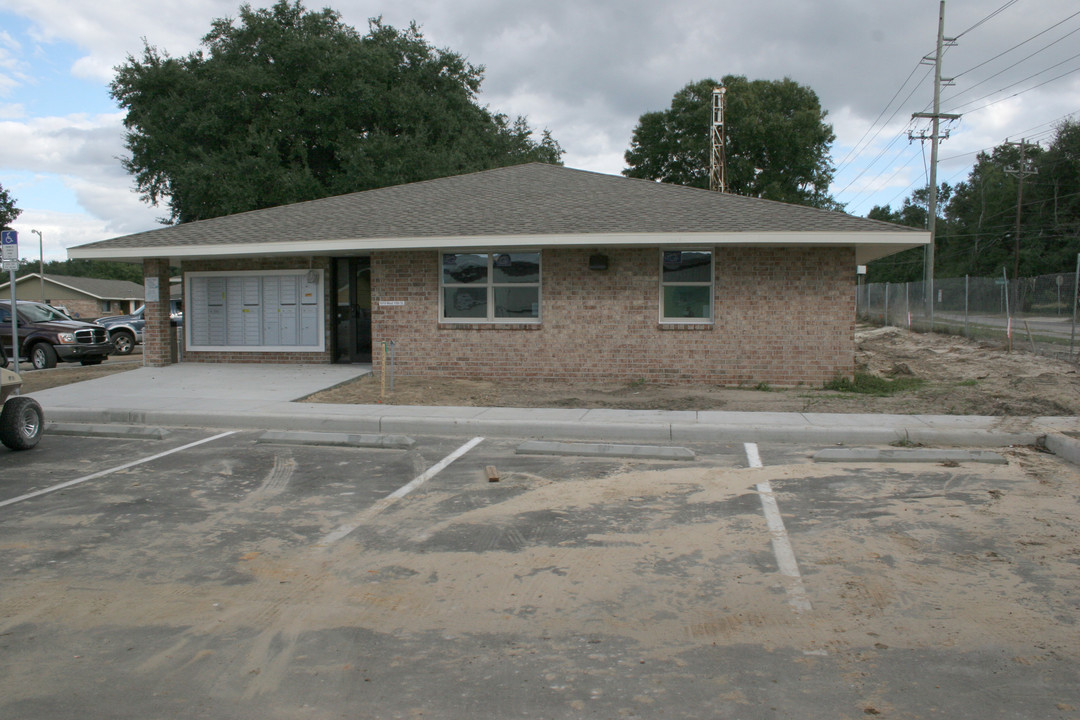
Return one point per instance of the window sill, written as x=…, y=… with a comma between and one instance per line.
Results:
x=490, y=326
x=698, y=327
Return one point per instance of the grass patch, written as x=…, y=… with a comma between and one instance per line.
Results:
x=967, y=383
x=868, y=384
x=763, y=387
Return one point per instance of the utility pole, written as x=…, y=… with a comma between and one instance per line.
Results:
x=1021, y=171
x=935, y=136
x=41, y=262
x=717, y=159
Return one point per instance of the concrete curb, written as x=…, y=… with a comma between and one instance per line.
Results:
x=1065, y=447
x=653, y=432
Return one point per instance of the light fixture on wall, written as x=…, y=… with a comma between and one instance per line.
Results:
x=598, y=262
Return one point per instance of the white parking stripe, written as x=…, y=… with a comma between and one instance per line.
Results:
x=401, y=492
x=785, y=556
x=118, y=468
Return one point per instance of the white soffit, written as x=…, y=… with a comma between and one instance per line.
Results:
x=869, y=245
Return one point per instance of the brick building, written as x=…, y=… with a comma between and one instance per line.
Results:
x=81, y=297
x=527, y=271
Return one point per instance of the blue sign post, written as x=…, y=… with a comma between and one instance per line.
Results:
x=9, y=243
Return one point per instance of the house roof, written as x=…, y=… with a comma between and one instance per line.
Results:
x=97, y=288
x=523, y=205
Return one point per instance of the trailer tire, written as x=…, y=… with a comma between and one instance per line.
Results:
x=21, y=423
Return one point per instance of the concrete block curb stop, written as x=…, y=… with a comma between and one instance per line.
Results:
x=390, y=442
x=908, y=455
x=541, y=447
x=107, y=430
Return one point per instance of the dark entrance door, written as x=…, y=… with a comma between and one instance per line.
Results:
x=352, y=295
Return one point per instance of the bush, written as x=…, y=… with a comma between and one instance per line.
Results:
x=868, y=384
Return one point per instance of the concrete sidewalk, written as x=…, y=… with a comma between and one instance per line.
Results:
x=264, y=397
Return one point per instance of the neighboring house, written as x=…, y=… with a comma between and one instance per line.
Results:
x=532, y=271
x=81, y=297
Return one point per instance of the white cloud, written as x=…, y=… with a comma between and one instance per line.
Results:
x=12, y=69
x=59, y=231
x=585, y=69
x=12, y=111
x=110, y=31
x=117, y=205
x=65, y=144
x=82, y=151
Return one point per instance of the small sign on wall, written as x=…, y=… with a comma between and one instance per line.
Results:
x=153, y=289
x=391, y=303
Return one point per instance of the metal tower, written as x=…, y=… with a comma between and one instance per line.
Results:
x=717, y=160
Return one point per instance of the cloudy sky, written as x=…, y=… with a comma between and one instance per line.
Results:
x=585, y=69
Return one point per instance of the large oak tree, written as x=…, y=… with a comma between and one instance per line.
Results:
x=286, y=105
x=777, y=141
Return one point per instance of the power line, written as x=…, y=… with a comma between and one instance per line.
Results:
x=986, y=106
x=1020, y=44
x=1018, y=62
x=858, y=197
x=842, y=164
x=857, y=200
x=871, y=164
x=989, y=17
x=1021, y=92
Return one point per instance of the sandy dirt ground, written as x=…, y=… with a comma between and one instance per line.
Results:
x=960, y=377
x=569, y=589
x=65, y=374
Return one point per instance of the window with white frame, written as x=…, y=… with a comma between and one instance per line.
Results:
x=686, y=286
x=490, y=286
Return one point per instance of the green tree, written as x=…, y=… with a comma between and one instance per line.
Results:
x=286, y=105
x=981, y=216
x=102, y=269
x=8, y=211
x=776, y=146
x=976, y=235
x=1052, y=209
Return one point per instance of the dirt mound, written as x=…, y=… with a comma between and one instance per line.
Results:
x=958, y=377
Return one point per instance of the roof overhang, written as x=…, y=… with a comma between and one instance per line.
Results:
x=868, y=245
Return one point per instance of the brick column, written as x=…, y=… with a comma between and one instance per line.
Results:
x=157, y=345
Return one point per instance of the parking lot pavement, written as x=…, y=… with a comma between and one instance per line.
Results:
x=210, y=575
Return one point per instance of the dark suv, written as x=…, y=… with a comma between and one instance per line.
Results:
x=47, y=336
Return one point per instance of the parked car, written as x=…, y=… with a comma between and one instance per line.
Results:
x=47, y=336
x=126, y=331
x=21, y=420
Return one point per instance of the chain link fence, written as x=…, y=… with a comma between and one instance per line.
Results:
x=1038, y=314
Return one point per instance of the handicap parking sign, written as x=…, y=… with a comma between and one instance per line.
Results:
x=9, y=239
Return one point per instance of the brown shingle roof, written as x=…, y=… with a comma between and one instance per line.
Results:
x=521, y=200
x=101, y=288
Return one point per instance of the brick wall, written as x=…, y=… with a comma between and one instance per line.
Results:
x=783, y=316
x=157, y=345
x=83, y=309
